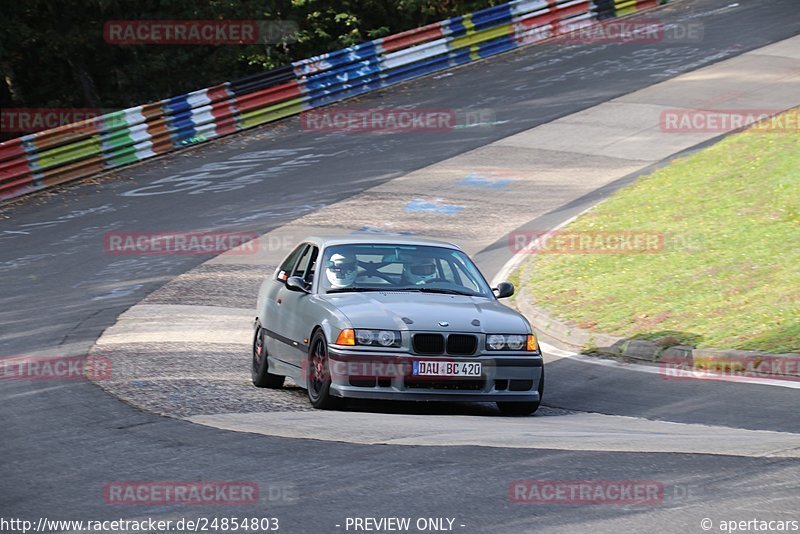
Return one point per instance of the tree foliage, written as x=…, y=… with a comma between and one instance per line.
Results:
x=53, y=53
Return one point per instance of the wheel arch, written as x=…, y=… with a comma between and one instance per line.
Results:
x=330, y=328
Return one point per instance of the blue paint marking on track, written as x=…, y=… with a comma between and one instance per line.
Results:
x=479, y=180
x=433, y=206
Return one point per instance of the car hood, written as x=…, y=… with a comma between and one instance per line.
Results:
x=424, y=311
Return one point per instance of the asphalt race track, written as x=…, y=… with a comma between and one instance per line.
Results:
x=62, y=442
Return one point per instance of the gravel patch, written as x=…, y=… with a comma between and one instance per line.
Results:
x=184, y=379
x=231, y=286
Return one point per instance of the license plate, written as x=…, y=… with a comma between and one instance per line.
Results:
x=423, y=368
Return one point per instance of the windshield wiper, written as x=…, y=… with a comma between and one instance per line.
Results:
x=436, y=290
x=354, y=289
x=395, y=289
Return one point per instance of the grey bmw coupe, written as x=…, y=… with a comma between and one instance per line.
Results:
x=396, y=319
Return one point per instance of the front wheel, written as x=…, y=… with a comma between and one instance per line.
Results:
x=319, y=376
x=259, y=372
x=523, y=408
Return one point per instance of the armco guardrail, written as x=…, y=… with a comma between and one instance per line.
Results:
x=51, y=157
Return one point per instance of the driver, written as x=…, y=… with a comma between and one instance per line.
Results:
x=418, y=271
x=341, y=270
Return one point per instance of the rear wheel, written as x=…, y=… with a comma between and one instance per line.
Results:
x=319, y=376
x=523, y=408
x=260, y=369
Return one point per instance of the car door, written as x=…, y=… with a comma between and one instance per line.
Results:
x=293, y=309
x=271, y=321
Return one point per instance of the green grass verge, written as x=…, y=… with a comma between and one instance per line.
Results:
x=728, y=275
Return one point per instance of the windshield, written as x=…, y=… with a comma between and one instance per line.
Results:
x=413, y=268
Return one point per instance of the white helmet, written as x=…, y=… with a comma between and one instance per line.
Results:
x=419, y=270
x=341, y=270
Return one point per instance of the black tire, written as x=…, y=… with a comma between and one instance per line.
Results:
x=318, y=384
x=523, y=408
x=259, y=372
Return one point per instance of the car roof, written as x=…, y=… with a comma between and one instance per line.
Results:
x=380, y=239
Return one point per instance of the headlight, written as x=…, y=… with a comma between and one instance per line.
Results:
x=495, y=342
x=515, y=342
x=364, y=337
x=511, y=342
x=388, y=338
x=378, y=338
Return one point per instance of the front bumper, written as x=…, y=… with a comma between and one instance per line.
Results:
x=504, y=377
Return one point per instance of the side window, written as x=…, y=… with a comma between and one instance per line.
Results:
x=288, y=263
x=312, y=269
x=312, y=265
x=305, y=261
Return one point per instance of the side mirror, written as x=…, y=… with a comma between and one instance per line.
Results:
x=296, y=283
x=504, y=289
